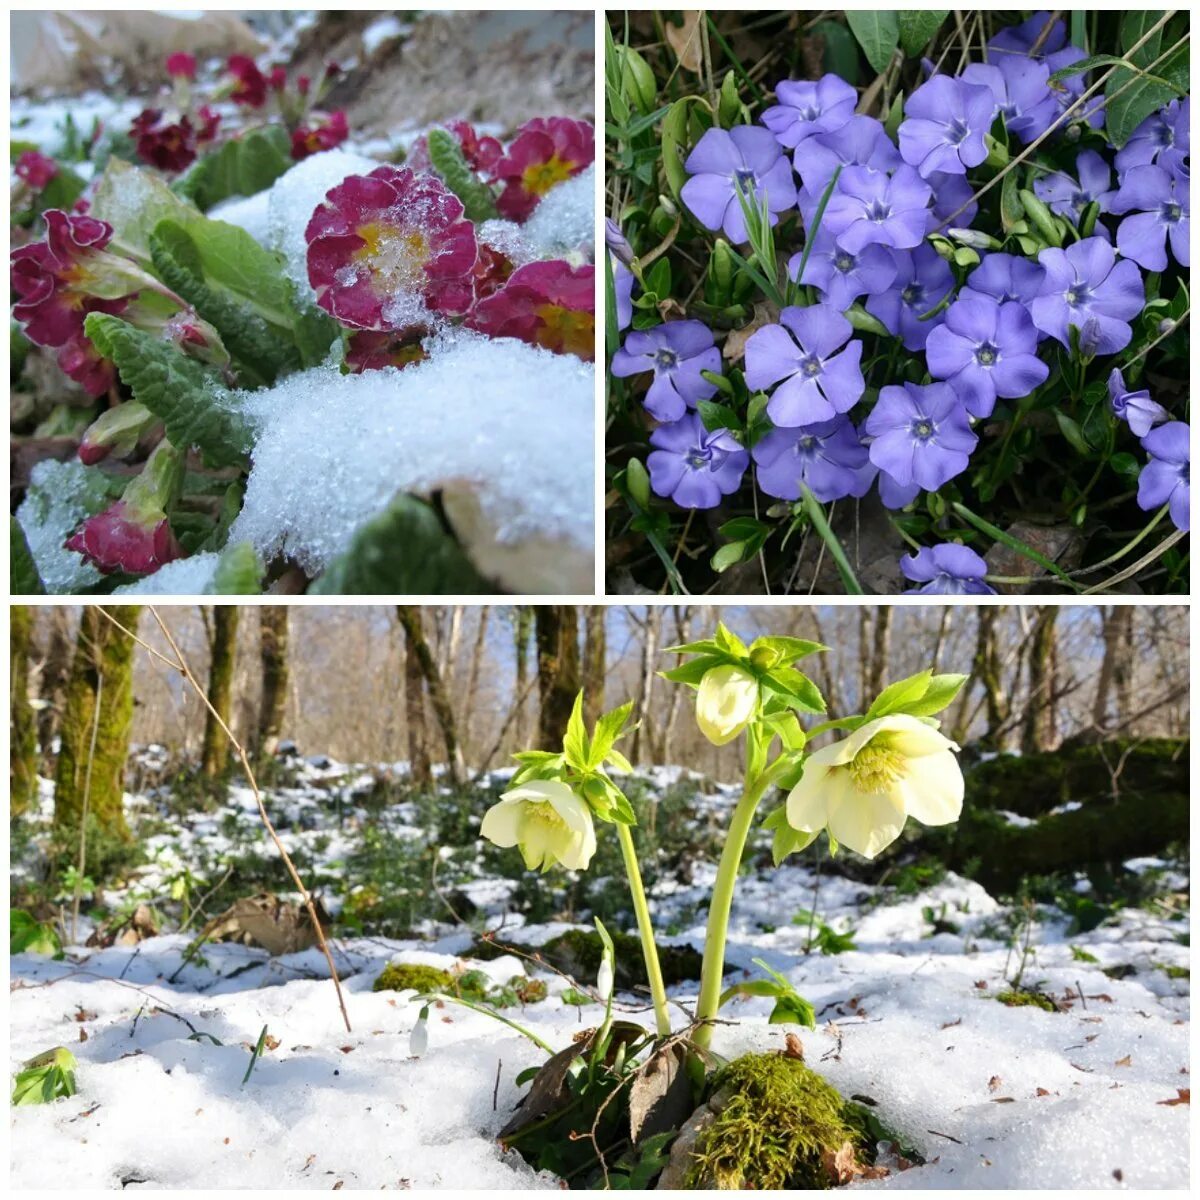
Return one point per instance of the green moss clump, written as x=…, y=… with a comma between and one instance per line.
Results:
x=1021, y=999
x=413, y=977
x=1178, y=972
x=776, y=1121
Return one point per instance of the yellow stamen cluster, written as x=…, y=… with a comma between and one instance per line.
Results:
x=539, y=178
x=876, y=768
x=395, y=257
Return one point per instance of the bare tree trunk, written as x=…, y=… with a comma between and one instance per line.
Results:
x=214, y=755
x=557, y=628
x=940, y=641
x=987, y=671
x=56, y=668
x=683, y=635
x=1124, y=661
x=410, y=618
x=642, y=746
x=594, y=662
x=414, y=709
x=273, y=651
x=23, y=747
x=522, y=628
x=1037, y=728
x=864, y=657
x=823, y=668
x=880, y=652
x=468, y=707
x=450, y=644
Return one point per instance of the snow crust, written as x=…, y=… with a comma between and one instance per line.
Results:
x=192, y=576
x=60, y=496
x=565, y=220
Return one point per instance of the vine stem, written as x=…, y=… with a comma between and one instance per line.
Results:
x=658, y=991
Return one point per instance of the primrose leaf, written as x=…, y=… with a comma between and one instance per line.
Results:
x=239, y=571
x=245, y=166
x=447, y=157
x=23, y=578
x=133, y=202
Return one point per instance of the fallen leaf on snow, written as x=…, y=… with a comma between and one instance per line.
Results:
x=1184, y=1097
x=1127, y=1061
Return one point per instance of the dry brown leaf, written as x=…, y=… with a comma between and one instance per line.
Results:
x=951, y=1024
x=271, y=1042
x=735, y=343
x=660, y=1097
x=1041, y=1092
x=685, y=41
x=994, y=1083
x=1127, y=1061
x=793, y=1047
x=981, y=984
x=1184, y=1097
x=1004, y=1100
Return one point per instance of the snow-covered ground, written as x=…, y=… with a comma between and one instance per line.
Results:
x=992, y=1096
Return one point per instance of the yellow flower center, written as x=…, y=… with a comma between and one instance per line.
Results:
x=876, y=768
x=546, y=814
x=395, y=257
x=539, y=178
x=567, y=330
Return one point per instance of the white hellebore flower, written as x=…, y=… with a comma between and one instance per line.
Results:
x=863, y=788
x=547, y=821
x=727, y=699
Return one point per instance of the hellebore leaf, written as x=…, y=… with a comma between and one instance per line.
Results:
x=897, y=697
x=405, y=550
x=181, y=392
x=794, y=689
x=609, y=728
x=244, y=166
x=447, y=157
x=576, y=749
x=29, y=936
x=785, y=840
x=878, y=33
x=23, y=578
x=940, y=694
x=45, y=1077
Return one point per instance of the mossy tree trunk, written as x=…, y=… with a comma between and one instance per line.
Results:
x=641, y=744
x=97, y=715
x=23, y=746
x=273, y=654
x=410, y=619
x=522, y=628
x=214, y=757
x=56, y=669
x=595, y=652
x=414, y=717
x=557, y=627
x=988, y=672
x=476, y=670
x=880, y=653
x=1116, y=667
x=1038, y=727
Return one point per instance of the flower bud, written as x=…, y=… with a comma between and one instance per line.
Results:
x=726, y=703
x=115, y=432
x=976, y=239
x=418, y=1039
x=616, y=242
x=638, y=482
x=604, y=979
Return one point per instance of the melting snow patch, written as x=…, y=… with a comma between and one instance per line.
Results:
x=60, y=496
x=566, y=218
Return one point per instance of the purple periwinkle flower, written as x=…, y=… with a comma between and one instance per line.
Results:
x=1161, y=209
x=827, y=458
x=923, y=278
x=693, y=466
x=1071, y=87
x=1163, y=137
x=943, y=127
x=1021, y=39
x=724, y=160
x=860, y=142
x=946, y=570
x=617, y=243
x=921, y=434
x=806, y=108
x=952, y=197
x=1135, y=408
x=1020, y=88
x=1005, y=277
x=623, y=282
x=1086, y=280
x=800, y=355
x=676, y=352
x=984, y=350
x=841, y=277
x=1069, y=197
x=1165, y=478
x=873, y=207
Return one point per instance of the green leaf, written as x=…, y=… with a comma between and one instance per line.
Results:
x=245, y=166
x=1130, y=98
x=896, y=696
x=133, y=202
x=674, y=137
x=23, y=578
x=717, y=416
x=1071, y=431
x=181, y=392
x=796, y=690
x=45, y=1078
x=728, y=642
x=939, y=695
x=918, y=28
x=785, y=840
x=878, y=33
x=447, y=158
x=841, y=53
x=29, y=936
x=790, y=1007
x=405, y=550
x=610, y=728
x=239, y=571
x=694, y=670
x=789, y=649
x=575, y=741
x=728, y=555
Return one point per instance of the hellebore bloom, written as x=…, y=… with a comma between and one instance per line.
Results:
x=1085, y=280
x=1165, y=479
x=943, y=127
x=921, y=434
x=370, y=349
x=382, y=247
x=250, y=86
x=133, y=535
x=1135, y=408
x=694, y=467
x=806, y=108
x=36, y=169
x=1069, y=198
x=1005, y=277
x=115, y=431
x=1020, y=88
x=841, y=277
x=726, y=701
x=946, y=570
x=549, y=304
x=546, y=821
x=724, y=160
x=800, y=354
x=1164, y=137
x=869, y=206
x=1021, y=39
x=676, y=352
x=547, y=151
x=168, y=145
x=324, y=132
x=984, y=350
x=828, y=458
x=860, y=142
x=1161, y=208
x=481, y=153
x=923, y=277
x=181, y=66
x=863, y=788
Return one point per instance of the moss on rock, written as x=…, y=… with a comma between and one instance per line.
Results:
x=414, y=977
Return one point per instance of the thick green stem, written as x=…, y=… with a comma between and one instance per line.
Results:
x=658, y=991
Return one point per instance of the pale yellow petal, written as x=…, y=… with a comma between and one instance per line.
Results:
x=725, y=701
x=501, y=823
x=932, y=790
x=865, y=822
x=808, y=801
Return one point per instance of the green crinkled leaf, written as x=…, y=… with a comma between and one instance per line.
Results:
x=314, y=332
x=182, y=393
x=1129, y=97
x=404, y=551
x=23, y=577
x=918, y=26
x=239, y=571
x=447, y=158
x=260, y=351
x=243, y=167
x=878, y=33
